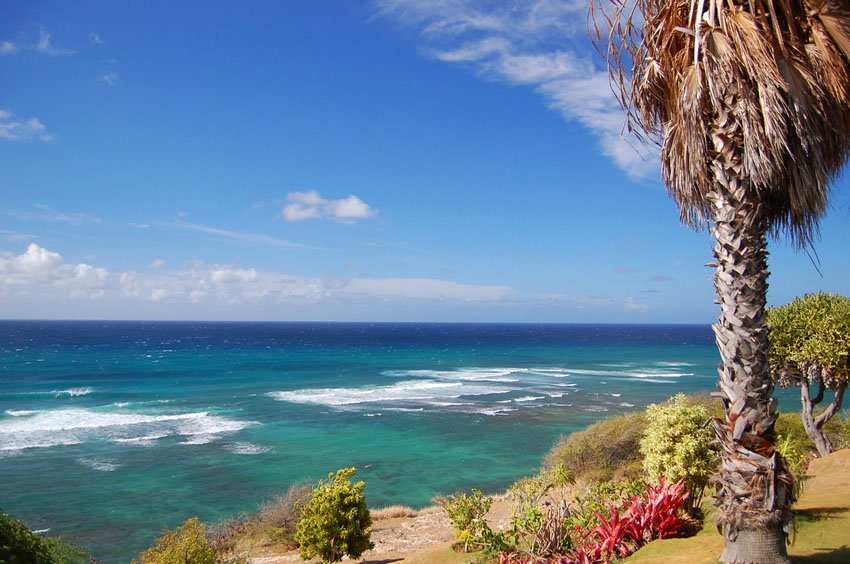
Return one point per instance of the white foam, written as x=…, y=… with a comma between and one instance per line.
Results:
x=571, y=385
x=640, y=374
x=408, y=391
x=529, y=398
x=626, y=404
x=616, y=395
x=99, y=464
x=495, y=412
x=247, y=448
x=557, y=394
x=674, y=364
x=595, y=408
x=48, y=428
x=146, y=440
x=20, y=412
x=464, y=374
x=73, y=392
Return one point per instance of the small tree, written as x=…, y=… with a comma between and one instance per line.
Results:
x=335, y=520
x=810, y=344
x=678, y=445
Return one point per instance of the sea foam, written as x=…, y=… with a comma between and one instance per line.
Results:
x=47, y=428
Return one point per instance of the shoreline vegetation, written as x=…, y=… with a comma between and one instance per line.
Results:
x=588, y=482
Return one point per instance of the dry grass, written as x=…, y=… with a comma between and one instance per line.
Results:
x=392, y=512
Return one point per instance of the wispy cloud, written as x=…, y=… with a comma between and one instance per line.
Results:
x=46, y=213
x=245, y=236
x=16, y=129
x=8, y=48
x=15, y=236
x=539, y=44
x=111, y=78
x=311, y=205
x=45, y=46
x=95, y=39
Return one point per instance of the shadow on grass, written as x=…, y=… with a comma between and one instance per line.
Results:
x=825, y=555
x=819, y=513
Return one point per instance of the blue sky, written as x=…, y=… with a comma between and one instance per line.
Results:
x=339, y=160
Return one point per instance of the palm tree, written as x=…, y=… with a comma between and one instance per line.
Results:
x=750, y=103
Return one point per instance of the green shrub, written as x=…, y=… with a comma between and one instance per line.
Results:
x=184, y=545
x=539, y=524
x=791, y=451
x=678, y=444
x=466, y=513
x=20, y=545
x=335, y=520
x=607, y=450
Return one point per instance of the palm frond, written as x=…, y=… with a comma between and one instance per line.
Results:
x=779, y=68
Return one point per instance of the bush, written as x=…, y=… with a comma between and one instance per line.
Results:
x=677, y=444
x=335, y=520
x=20, y=545
x=466, y=513
x=187, y=544
x=539, y=524
x=279, y=516
x=607, y=450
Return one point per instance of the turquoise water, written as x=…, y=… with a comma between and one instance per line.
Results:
x=111, y=431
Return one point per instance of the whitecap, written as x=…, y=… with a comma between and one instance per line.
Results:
x=495, y=412
x=529, y=398
x=626, y=404
x=247, y=448
x=616, y=395
x=73, y=392
x=408, y=391
x=20, y=412
x=74, y=426
x=99, y=464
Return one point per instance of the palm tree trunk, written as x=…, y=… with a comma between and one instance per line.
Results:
x=753, y=494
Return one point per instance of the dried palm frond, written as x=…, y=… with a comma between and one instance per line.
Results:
x=779, y=68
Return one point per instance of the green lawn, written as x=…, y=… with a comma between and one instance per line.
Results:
x=822, y=523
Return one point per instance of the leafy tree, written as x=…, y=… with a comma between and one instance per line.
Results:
x=810, y=345
x=335, y=520
x=677, y=445
x=748, y=102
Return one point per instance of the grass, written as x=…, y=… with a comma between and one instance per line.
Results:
x=822, y=523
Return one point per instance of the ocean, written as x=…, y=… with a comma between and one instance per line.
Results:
x=110, y=431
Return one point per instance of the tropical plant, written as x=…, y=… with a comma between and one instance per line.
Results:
x=335, y=520
x=187, y=544
x=677, y=444
x=748, y=101
x=810, y=345
x=466, y=513
x=790, y=450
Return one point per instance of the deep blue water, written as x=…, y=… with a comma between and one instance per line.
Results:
x=110, y=431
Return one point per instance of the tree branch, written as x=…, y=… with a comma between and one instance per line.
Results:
x=834, y=406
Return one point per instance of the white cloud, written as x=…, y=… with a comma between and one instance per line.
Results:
x=13, y=129
x=43, y=274
x=95, y=39
x=245, y=236
x=110, y=78
x=45, y=46
x=529, y=44
x=311, y=205
x=8, y=48
x=157, y=263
